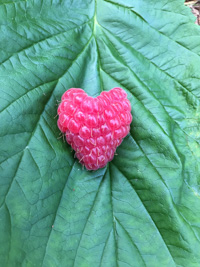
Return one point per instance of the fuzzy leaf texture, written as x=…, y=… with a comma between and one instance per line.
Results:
x=143, y=209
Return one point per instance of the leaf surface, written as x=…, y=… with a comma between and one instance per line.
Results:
x=143, y=209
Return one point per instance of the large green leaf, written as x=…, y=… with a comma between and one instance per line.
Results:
x=143, y=209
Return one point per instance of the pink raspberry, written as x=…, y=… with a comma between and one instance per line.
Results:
x=94, y=127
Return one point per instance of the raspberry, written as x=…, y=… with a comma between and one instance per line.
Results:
x=94, y=127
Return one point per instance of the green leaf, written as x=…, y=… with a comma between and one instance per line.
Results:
x=143, y=209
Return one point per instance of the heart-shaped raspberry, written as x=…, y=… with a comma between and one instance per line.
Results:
x=94, y=127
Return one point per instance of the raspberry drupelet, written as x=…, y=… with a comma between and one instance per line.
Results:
x=94, y=127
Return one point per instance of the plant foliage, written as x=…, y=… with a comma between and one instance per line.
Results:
x=143, y=209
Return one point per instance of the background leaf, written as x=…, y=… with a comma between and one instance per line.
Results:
x=143, y=209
